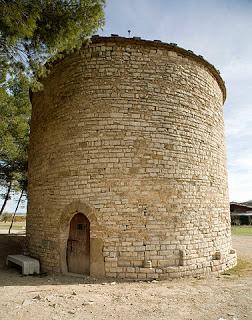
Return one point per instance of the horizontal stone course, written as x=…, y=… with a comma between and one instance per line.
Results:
x=131, y=134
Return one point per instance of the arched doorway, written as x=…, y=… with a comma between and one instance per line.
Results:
x=78, y=245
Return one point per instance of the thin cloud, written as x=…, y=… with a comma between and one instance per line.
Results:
x=220, y=31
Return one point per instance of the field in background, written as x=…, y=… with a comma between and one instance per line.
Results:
x=16, y=228
x=242, y=230
x=8, y=217
x=20, y=225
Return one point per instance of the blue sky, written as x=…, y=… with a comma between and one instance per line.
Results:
x=221, y=32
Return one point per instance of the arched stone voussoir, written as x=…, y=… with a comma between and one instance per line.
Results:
x=74, y=207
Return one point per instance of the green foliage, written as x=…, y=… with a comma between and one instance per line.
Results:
x=34, y=31
x=15, y=110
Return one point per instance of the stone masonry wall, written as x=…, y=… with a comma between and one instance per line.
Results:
x=131, y=134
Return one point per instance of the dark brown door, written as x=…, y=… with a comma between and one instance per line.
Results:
x=78, y=245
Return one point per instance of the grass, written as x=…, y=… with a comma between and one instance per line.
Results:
x=242, y=268
x=242, y=230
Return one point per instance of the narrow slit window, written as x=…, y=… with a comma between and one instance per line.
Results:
x=80, y=226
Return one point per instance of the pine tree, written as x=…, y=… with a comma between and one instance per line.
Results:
x=32, y=32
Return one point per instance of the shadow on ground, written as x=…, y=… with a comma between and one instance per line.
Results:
x=16, y=243
x=11, y=244
x=11, y=276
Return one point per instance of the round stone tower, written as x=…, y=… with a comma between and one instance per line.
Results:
x=127, y=168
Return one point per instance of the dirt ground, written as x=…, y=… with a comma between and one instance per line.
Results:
x=221, y=297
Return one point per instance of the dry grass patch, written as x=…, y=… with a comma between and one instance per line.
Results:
x=243, y=267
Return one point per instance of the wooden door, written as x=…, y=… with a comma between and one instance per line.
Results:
x=78, y=245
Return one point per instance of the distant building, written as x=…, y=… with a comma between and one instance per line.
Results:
x=241, y=213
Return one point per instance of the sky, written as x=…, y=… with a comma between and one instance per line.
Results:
x=219, y=30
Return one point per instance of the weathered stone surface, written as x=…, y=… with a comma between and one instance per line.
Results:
x=131, y=134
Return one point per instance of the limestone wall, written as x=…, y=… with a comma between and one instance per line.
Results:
x=131, y=134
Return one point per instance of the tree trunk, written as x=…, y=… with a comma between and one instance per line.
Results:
x=14, y=214
x=6, y=197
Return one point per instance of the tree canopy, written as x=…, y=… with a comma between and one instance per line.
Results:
x=33, y=32
x=15, y=110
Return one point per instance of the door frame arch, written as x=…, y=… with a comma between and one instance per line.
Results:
x=64, y=226
x=78, y=245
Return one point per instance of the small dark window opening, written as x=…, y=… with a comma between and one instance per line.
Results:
x=80, y=226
